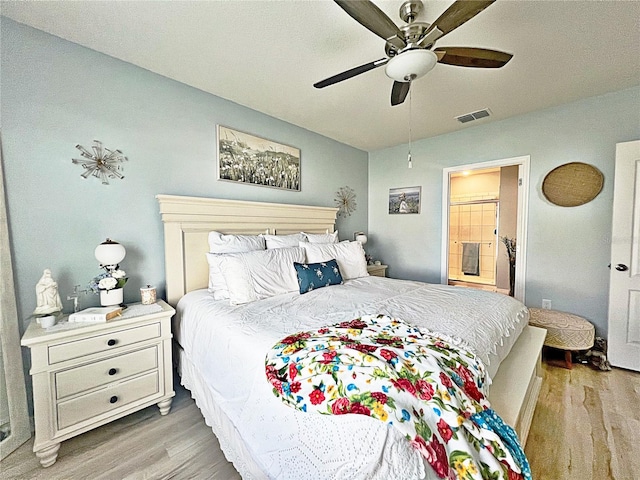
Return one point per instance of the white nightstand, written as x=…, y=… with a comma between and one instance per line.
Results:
x=377, y=270
x=88, y=374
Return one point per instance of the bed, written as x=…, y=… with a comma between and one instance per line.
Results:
x=278, y=442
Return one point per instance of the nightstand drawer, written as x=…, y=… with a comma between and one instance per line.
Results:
x=89, y=406
x=100, y=343
x=377, y=270
x=80, y=379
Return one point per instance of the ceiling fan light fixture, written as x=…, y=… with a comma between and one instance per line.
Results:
x=411, y=64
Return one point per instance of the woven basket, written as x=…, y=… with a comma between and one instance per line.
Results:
x=572, y=184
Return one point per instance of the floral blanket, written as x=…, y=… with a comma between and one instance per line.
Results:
x=428, y=386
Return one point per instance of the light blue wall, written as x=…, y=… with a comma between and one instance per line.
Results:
x=56, y=94
x=568, y=248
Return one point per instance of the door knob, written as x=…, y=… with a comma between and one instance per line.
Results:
x=621, y=268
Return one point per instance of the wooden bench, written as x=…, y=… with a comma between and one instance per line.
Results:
x=516, y=386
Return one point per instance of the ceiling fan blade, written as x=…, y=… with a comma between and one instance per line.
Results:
x=458, y=13
x=371, y=17
x=399, y=92
x=350, y=73
x=472, y=57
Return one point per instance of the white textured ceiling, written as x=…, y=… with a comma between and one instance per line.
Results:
x=267, y=55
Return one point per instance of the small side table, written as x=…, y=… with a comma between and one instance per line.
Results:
x=377, y=270
x=89, y=374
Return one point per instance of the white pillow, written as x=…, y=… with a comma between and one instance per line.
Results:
x=217, y=284
x=255, y=275
x=349, y=255
x=322, y=237
x=221, y=243
x=283, y=241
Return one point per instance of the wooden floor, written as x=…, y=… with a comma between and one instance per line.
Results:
x=586, y=427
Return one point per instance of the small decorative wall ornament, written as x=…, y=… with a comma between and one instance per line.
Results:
x=102, y=163
x=572, y=184
x=345, y=201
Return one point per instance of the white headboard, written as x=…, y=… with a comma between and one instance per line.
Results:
x=188, y=221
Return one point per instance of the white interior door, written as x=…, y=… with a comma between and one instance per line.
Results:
x=624, y=292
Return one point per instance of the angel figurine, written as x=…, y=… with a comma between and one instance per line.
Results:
x=48, y=299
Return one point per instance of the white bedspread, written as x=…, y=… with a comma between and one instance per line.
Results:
x=227, y=344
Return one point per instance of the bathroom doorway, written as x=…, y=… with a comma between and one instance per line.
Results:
x=482, y=205
x=473, y=235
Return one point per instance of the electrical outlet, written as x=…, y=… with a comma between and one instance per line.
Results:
x=546, y=304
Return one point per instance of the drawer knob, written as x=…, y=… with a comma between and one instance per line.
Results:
x=111, y=342
x=113, y=399
x=112, y=371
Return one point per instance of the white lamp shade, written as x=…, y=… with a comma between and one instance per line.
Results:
x=361, y=237
x=109, y=252
x=410, y=65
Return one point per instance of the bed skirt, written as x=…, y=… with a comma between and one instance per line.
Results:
x=231, y=444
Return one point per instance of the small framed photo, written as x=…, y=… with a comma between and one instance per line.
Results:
x=245, y=158
x=404, y=200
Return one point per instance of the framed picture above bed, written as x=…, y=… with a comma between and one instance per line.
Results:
x=245, y=158
x=404, y=200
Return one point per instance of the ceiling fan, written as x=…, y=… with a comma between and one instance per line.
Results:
x=409, y=48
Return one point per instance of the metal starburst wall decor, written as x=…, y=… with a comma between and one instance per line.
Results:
x=102, y=163
x=346, y=201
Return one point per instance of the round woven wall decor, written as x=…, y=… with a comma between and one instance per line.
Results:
x=572, y=184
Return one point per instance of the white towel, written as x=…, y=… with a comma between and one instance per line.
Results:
x=471, y=258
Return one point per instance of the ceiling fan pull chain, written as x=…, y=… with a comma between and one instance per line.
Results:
x=409, y=156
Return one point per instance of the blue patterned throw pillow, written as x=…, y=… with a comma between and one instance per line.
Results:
x=317, y=275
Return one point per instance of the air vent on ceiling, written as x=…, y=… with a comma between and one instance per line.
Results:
x=470, y=117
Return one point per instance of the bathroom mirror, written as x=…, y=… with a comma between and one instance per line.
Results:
x=14, y=418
